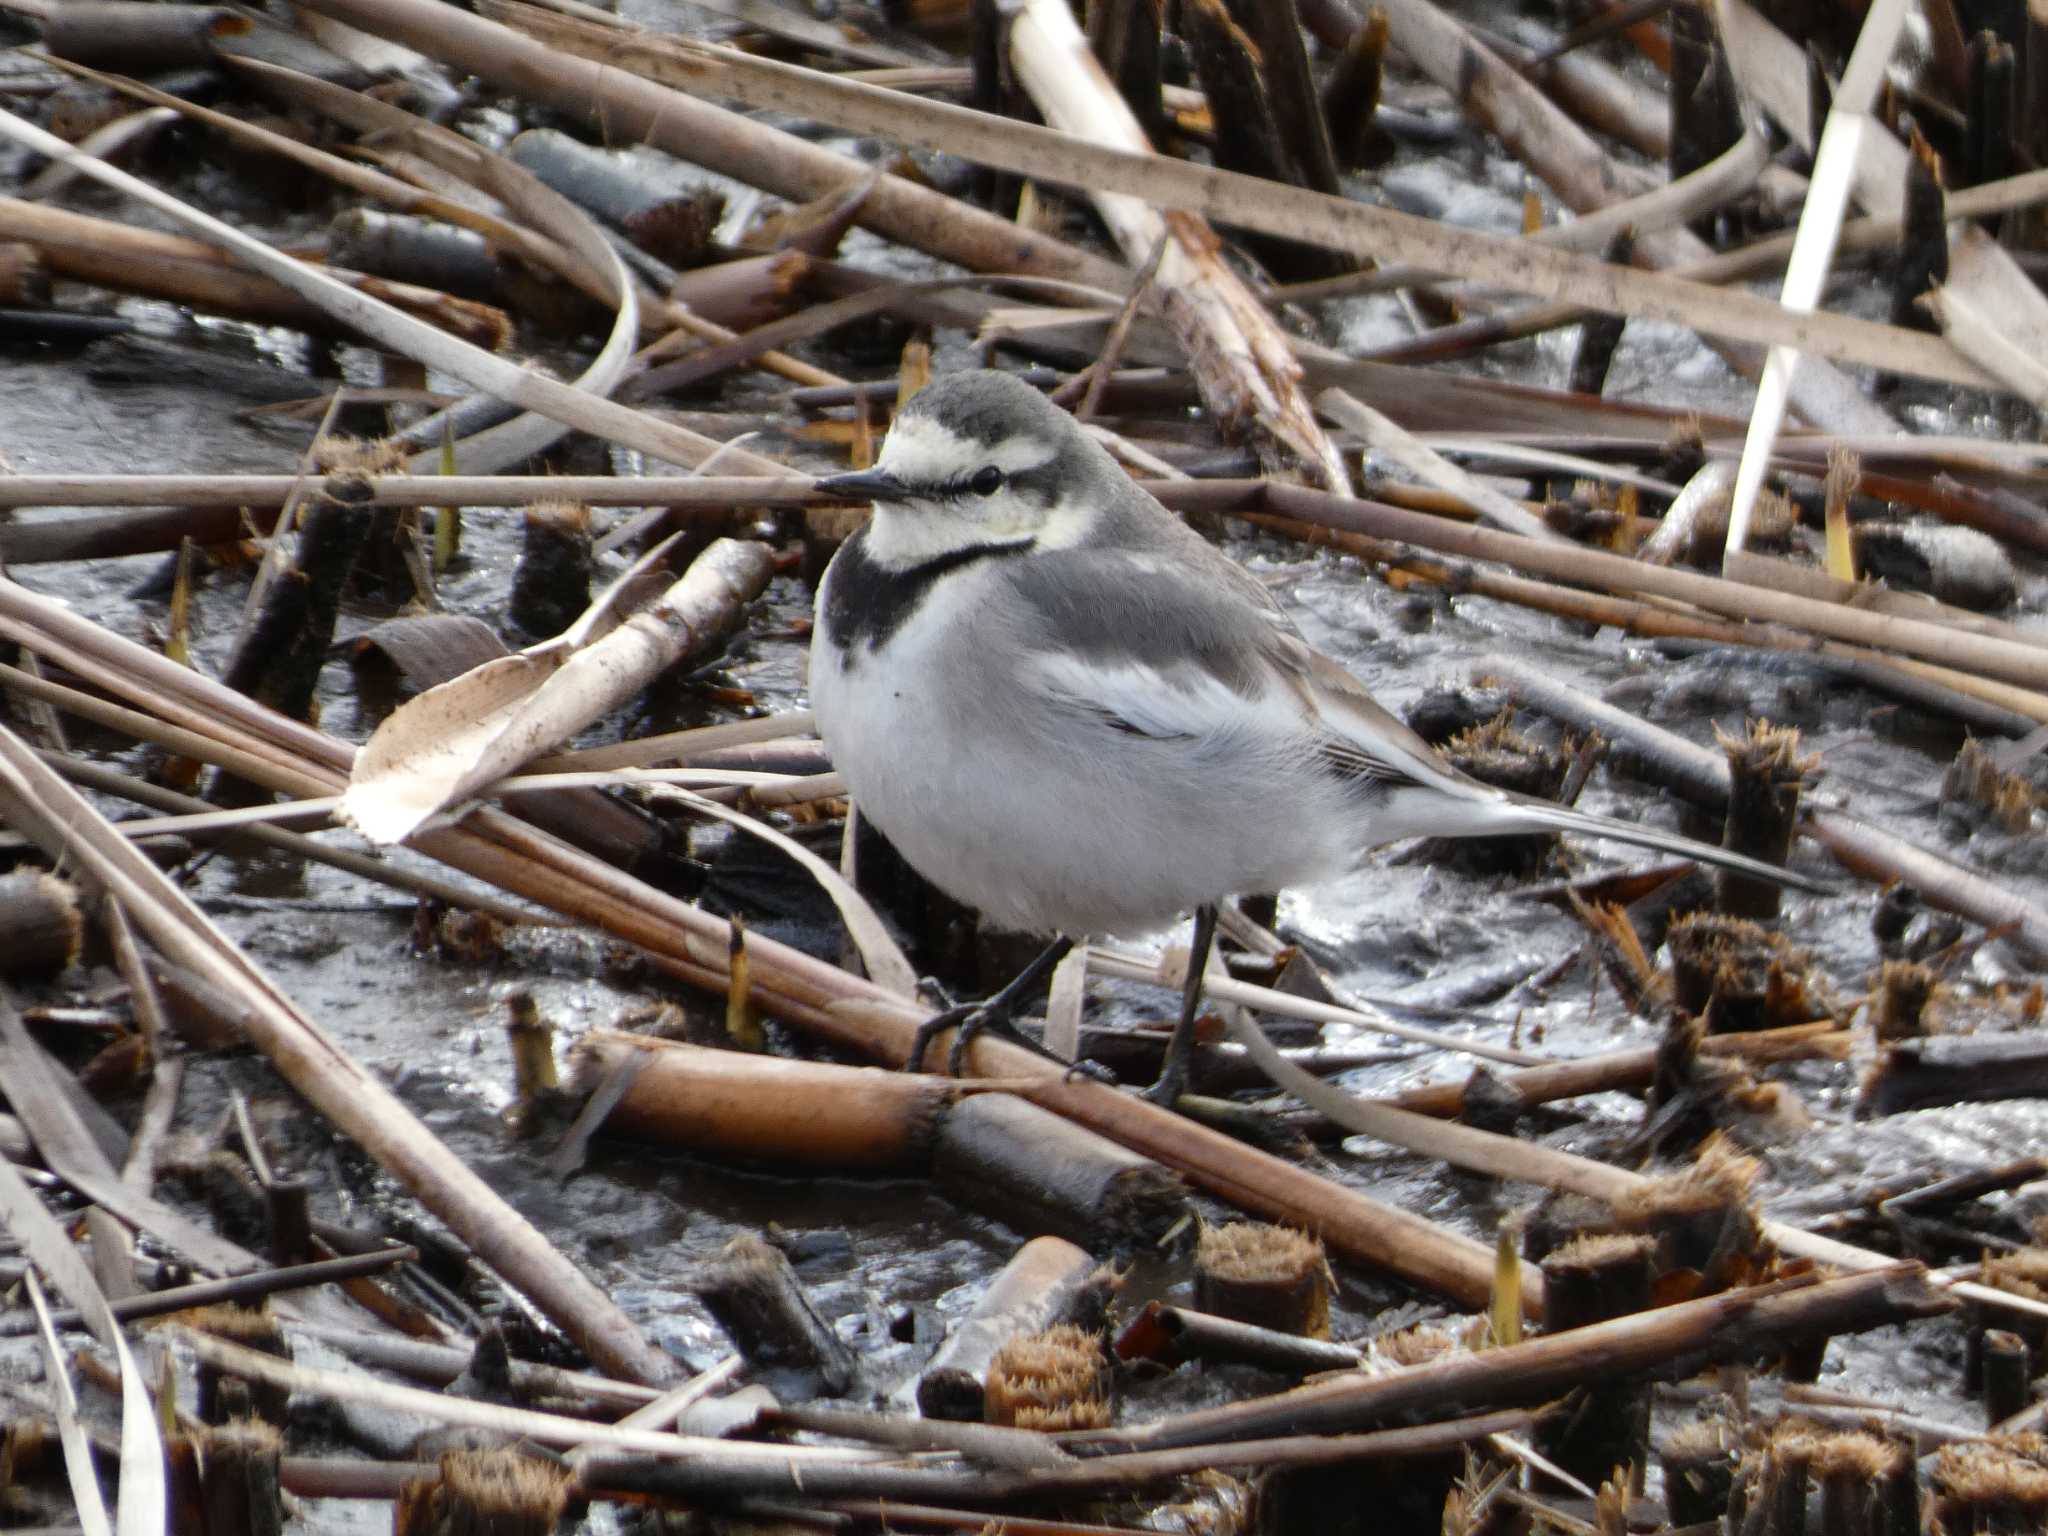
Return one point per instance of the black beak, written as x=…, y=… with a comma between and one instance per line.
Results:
x=862, y=485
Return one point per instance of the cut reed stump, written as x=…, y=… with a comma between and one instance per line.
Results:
x=551, y=584
x=2006, y=1367
x=1699, y=1472
x=238, y=1478
x=752, y=1289
x=1177, y=1335
x=280, y=650
x=769, y=1109
x=1053, y=1380
x=1039, y=1170
x=1048, y=1281
x=1271, y=1276
x=1766, y=774
x=485, y=1493
x=41, y=923
x=1593, y=1279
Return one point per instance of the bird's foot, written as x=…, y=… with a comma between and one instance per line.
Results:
x=961, y=1017
x=1172, y=1083
x=1094, y=1071
x=972, y=1020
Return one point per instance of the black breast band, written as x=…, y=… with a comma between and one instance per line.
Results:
x=868, y=602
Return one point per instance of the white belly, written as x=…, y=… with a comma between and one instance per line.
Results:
x=1044, y=823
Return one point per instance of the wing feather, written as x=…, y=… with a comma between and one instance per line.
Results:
x=1195, y=648
x=1176, y=704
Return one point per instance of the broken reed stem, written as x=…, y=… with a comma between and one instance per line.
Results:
x=1860, y=847
x=685, y=493
x=1241, y=360
x=603, y=1477
x=496, y=847
x=1630, y=1070
x=760, y=1108
x=225, y=494
x=2014, y=661
x=127, y=259
x=633, y=110
x=1757, y=1321
x=1355, y=228
x=1766, y=777
x=1994, y=705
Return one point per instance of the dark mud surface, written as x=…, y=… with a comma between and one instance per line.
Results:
x=888, y=1263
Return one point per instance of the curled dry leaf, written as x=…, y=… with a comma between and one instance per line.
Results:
x=451, y=741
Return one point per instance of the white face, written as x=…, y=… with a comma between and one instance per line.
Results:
x=966, y=503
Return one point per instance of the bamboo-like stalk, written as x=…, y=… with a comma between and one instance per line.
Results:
x=547, y=400
x=1242, y=364
x=1728, y=1326
x=693, y=944
x=1544, y=138
x=1813, y=250
x=1985, y=286
x=1869, y=850
x=353, y=1098
x=1877, y=854
x=545, y=419
x=1782, y=575
x=1872, y=232
x=1980, y=701
x=683, y=492
x=294, y=844
x=808, y=992
x=767, y=1108
x=934, y=1494
x=858, y=1015
x=1626, y=1071
x=449, y=1409
x=1357, y=229
x=1227, y=989
x=112, y=255
x=630, y=110
x=530, y=246
x=1401, y=451
x=1989, y=655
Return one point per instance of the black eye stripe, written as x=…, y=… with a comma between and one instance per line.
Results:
x=962, y=486
x=1038, y=479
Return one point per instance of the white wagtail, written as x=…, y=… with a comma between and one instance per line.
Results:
x=1065, y=708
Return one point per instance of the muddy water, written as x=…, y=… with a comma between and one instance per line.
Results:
x=889, y=1262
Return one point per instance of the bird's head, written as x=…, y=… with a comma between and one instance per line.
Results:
x=978, y=458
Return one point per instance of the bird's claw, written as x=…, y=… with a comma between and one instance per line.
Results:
x=1173, y=1082
x=970, y=1020
x=956, y=1017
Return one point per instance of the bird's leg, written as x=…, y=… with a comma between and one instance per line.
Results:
x=1173, y=1073
x=997, y=1014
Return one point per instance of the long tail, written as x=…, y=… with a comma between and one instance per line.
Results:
x=1517, y=814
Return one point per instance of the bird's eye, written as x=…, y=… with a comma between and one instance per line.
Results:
x=987, y=481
